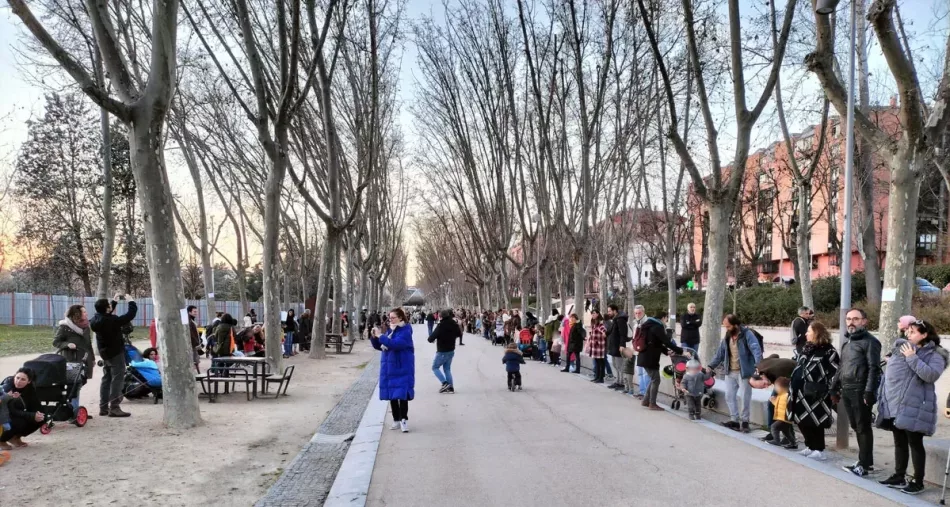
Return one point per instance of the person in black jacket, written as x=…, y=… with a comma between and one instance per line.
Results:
x=658, y=343
x=856, y=384
x=690, y=324
x=616, y=338
x=109, y=339
x=26, y=415
x=800, y=326
x=195, y=337
x=444, y=337
x=575, y=343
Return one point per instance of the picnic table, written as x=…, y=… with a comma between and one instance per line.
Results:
x=337, y=339
x=256, y=363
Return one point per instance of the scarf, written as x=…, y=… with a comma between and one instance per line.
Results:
x=73, y=326
x=83, y=323
x=811, y=348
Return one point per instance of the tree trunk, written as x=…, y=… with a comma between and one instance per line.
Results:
x=272, y=188
x=719, y=219
x=802, y=244
x=602, y=293
x=108, y=233
x=178, y=380
x=337, y=292
x=523, y=287
x=670, y=277
x=317, y=349
x=579, y=272
x=901, y=243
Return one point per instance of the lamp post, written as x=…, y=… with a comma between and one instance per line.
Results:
x=825, y=8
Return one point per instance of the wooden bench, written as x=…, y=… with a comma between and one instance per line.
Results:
x=337, y=340
x=227, y=376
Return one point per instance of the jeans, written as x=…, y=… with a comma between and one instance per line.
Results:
x=610, y=372
x=695, y=404
x=75, y=404
x=814, y=437
x=654, y=388
x=443, y=360
x=628, y=382
x=400, y=409
x=599, y=365
x=644, y=380
x=915, y=441
x=860, y=416
x=288, y=344
x=617, y=367
x=780, y=428
x=577, y=361
x=430, y=327
x=113, y=380
x=734, y=382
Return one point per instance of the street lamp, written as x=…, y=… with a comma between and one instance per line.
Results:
x=827, y=7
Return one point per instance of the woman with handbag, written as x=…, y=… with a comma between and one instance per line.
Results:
x=809, y=396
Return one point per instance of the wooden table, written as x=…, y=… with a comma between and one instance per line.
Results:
x=253, y=362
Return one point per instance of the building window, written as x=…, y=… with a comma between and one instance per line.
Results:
x=927, y=242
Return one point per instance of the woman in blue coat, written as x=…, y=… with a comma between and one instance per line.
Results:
x=907, y=402
x=397, y=367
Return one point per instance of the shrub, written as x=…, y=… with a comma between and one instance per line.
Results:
x=937, y=274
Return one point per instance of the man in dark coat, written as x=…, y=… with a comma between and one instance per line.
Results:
x=575, y=343
x=195, y=337
x=616, y=338
x=856, y=383
x=690, y=327
x=444, y=337
x=800, y=326
x=111, y=344
x=658, y=343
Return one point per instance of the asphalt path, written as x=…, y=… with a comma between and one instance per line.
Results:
x=564, y=441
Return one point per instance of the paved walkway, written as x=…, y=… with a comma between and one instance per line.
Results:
x=563, y=441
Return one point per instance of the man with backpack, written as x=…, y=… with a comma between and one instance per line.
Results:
x=739, y=352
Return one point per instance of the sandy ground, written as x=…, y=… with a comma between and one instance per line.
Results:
x=231, y=460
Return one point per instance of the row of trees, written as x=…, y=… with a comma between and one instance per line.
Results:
x=239, y=95
x=586, y=138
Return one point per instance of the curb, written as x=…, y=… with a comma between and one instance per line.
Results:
x=351, y=486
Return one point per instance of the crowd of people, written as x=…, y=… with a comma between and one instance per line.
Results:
x=805, y=390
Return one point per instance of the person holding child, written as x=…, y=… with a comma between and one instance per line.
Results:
x=513, y=361
x=809, y=393
x=907, y=403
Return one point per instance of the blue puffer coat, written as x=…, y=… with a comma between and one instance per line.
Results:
x=397, y=367
x=907, y=394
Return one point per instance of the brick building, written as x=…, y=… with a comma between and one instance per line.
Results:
x=764, y=223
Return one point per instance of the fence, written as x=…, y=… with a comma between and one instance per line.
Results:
x=27, y=309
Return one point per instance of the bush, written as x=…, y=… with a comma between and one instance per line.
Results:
x=937, y=274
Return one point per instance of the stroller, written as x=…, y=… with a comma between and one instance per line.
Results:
x=141, y=378
x=675, y=372
x=57, y=382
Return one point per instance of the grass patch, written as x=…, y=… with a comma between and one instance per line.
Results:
x=16, y=340
x=362, y=366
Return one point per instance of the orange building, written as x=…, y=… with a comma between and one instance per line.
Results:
x=765, y=223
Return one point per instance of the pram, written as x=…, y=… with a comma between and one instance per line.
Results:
x=141, y=377
x=675, y=372
x=57, y=382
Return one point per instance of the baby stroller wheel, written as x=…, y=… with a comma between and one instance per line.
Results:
x=46, y=428
x=82, y=416
x=712, y=403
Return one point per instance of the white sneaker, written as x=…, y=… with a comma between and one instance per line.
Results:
x=404, y=425
x=817, y=456
x=395, y=425
x=805, y=452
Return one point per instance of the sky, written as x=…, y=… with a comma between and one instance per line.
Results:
x=20, y=100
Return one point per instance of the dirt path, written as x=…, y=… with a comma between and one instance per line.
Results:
x=231, y=460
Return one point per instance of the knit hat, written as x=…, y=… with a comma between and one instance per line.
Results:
x=905, y=321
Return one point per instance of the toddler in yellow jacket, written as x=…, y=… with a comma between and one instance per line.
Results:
x=781, y=426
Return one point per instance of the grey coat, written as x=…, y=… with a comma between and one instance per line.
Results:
x=694, y=382
x=907, y=394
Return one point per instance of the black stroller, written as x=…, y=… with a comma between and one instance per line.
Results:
x=57, y=382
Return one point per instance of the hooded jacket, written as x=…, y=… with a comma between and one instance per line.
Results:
x=108, y=329
x=397, y=366
x=658, y=342
x=513, y=360
x=860, y=368
x=907, y=394
x=445, y=334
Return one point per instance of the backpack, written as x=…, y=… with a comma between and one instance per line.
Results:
x=760, y=339
x=639, y=340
